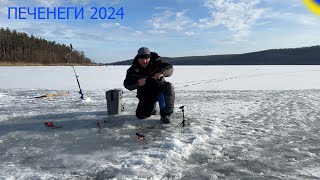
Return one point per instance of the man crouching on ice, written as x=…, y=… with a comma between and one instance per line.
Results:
x=146, y=74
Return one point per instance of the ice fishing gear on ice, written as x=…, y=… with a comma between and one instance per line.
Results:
x=100, y=127
x=51, y=124
x=104, y=125
x=183, y=123
x=52, y=94
x=66, y=58
x=80, y=90
x=140, y=136
x=114, y=100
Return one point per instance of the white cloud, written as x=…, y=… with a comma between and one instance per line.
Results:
x=116, y=26
x=189, y=33
x=237, y=16
x=115, y=1
x=162, y=8
x=137, y=33
x=171, y=20
x=47, y=3
x=295, y=18
x=4, y=10
x=110, y=25
x=4, y=6
x=157, y=31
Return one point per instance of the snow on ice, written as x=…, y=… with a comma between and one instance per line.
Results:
x=247, y=122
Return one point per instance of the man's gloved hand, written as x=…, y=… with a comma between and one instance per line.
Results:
x=158, y=76
x=152, y=83
x=142, y=81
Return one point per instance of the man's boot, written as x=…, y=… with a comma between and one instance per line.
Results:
x=165, y=119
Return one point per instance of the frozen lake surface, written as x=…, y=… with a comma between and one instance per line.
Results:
x=247, y=122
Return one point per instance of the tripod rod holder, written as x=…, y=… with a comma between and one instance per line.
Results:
x=183, y=119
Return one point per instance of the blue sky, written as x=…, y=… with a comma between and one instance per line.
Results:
x=175, y=28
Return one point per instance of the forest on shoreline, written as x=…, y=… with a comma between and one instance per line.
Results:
x=20, y=49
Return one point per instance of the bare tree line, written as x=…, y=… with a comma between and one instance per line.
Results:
x=19, y=47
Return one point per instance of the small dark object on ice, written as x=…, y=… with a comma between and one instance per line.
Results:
x=140, y=136
x=50, y=124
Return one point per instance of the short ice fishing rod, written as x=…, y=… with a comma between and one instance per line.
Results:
x=66, y=58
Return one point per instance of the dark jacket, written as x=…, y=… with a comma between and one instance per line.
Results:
x=136, y=72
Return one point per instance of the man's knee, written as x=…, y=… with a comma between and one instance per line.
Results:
x=168, y=87
x=145, y=109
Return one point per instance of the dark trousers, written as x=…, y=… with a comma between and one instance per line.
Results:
x=148, y=103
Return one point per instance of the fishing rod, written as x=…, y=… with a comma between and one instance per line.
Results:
x=80, y=91
x=66, y=58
